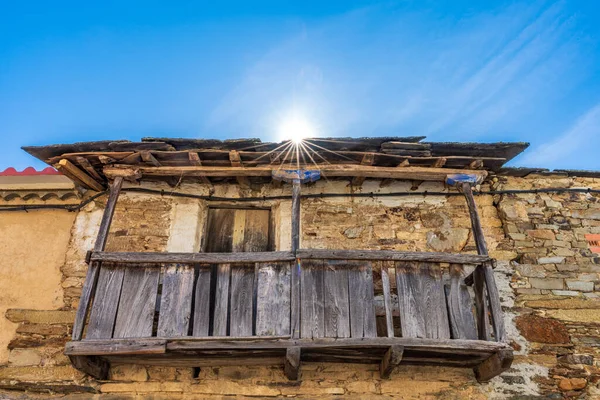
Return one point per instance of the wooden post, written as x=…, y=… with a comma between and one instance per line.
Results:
x=91, y=277
x=484, y=272
x=295, y=273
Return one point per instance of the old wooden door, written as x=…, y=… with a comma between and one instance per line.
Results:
x=234, y=287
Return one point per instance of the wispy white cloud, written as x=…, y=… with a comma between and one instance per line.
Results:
x=573, y=147
x=392, y=70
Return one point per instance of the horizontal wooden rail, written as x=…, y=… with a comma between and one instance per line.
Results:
x=390, y=255
x=277, y=256
x=160, y=345
x=192, y=258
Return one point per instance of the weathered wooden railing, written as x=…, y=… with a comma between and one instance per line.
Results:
x=198, y=309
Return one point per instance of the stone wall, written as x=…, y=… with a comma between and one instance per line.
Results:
x=547, y=277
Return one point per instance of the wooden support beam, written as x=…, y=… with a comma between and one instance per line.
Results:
x=236, y=161
x=494, y=365
x=85, y=164
x=91, y=365
x=391, y=360
x=72, y=172
x=291, y=364
x=148, y=158
x=195, y=160
x=484, y=272
x=366, y=160
x=296, y=266
x=331, y=171
x=119, y=346
x=91, y=277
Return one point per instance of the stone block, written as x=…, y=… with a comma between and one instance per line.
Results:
x=24, y=357
x=128, y=372
x=40, y=316
x=545, y=234
x=565, y=293
x=43, y=329
x=546, y=283
x=582, y=286
x=531, y=270
x=591, y=316
x=551, y=260
x=567, y=384
x=542, y=330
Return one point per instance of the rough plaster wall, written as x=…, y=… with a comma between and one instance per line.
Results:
x=32, y=250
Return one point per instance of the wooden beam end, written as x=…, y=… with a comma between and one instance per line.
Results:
x=494, y=365
x=291, y=364
x=390, y=361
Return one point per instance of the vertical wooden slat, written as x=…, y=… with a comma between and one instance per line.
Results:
x=106, y=302
x=221, y=309
x=484, y=272
x=460, y=314
x=337, y=306
x=240, y=322
x=176, y=301
x=91, y=277
x=273, y=299
x=387, y=299
x=412, y=319
x=202, y=303
x=362, y=306
x=312, y=324
x=423, y=312
x=137, y=305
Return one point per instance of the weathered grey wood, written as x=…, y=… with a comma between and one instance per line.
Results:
x=91, y=278
x=295, y=298
x=116, y=346
x=329, y=170
x=390, y=255
x=273, y=299
x=161, y=345
x=423, y=311
x=387, y=300
x=312, y=324
x=337, y=305
x=192, y=258
x=221, y=300
x=481, y=308
x=176, y=301
x=390, y=361
x=292, y=363
x=91, y=365
x=202, y=303
x=487, y=273
x=362, y=306
x=242, y=288
x=494, y=365
x=295, y=215
x=460, y=314
x=106, y=301
x=137, y=304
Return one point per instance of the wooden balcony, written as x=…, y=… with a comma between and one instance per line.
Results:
x=209, y=309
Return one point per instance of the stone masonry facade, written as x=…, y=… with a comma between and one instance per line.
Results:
x=549, y=282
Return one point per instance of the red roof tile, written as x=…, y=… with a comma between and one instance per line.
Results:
x=29, y=171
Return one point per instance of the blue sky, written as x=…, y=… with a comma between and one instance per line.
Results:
x=453, y=71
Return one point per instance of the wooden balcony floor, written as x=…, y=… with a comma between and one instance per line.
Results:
x=487, y=358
